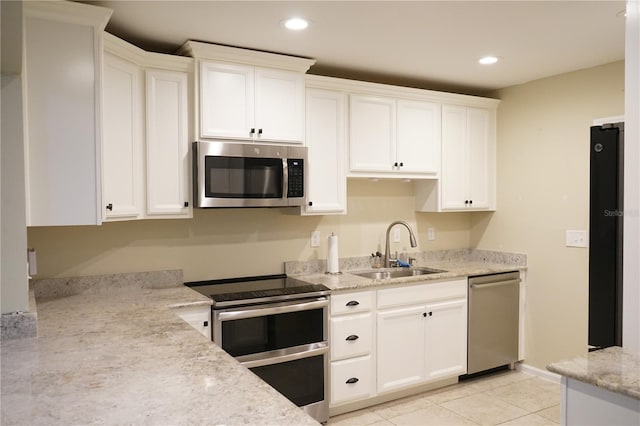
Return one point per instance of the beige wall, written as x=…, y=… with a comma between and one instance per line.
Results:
x=543, y=190
x=219, y=243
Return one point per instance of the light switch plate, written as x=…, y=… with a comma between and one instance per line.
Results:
x=576, y=238
x=315, y=239
x=396, y=235
x=431, y=234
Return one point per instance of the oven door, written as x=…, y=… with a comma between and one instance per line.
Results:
x=300, y=374
x=270, y=327
x=283, y=343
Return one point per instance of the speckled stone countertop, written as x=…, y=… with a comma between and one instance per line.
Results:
x=615, y=369
x=453, y=263
x=123, y=357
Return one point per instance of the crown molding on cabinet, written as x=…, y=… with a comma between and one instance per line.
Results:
x=69, y=12
x=409, y=93
x=236, y=55
x=131, y=53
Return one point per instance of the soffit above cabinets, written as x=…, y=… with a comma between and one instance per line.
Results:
x=424, y=44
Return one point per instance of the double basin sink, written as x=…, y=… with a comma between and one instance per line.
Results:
x=387, y=274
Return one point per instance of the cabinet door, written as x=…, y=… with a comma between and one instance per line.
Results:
x=446, y=339
x=279, y=105
x=418, y=137
x=400, y=347
x=62, y=109
x=122, y=140
x=480, y=158
x=454, y=158
x=325, y=131
x=167, y=144
x=372, y=134
x=226, y=101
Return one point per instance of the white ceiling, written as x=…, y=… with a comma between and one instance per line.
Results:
x=427, y=44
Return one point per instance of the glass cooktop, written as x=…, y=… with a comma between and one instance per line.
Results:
x=230, y=292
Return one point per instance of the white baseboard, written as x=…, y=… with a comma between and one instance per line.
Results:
x=543, y=374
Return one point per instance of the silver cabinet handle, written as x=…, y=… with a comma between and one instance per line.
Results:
x=495, y=284
x=285, y=356
x=319, y=303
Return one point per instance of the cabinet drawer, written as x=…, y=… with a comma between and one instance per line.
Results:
x=351, y=335
x=347, y=303
x=351, y=379
x=410, y=295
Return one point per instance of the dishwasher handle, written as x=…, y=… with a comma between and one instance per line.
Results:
x=495, y=284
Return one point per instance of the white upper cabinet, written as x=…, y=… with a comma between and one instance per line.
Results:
x=63, y=117
x=393, y=137
x=468, y=152
x=325, y=139
x=168, y=165
x=372, y=137
x=249, y=103
x=146, y=167
x=226, y=101
x=122, y=140
x=418, y=137
x=279, y=105
x=248, y=95
x=468, y=176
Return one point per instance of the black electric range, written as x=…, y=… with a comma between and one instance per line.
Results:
x=231, y=292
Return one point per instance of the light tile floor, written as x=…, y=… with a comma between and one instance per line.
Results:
x=503, y=398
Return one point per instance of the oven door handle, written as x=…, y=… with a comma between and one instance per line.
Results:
x=287, y=357
x=273, y=310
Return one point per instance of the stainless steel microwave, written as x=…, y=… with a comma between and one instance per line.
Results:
x=248, y=175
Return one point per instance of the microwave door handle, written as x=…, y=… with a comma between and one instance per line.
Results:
x=285, y=179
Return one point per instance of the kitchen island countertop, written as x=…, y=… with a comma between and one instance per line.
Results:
x=615, y=369
x=123, y=357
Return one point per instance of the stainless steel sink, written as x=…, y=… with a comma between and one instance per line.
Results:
x=387, y=274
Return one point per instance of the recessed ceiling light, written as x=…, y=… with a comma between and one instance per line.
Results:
x=488, y=60
x=296, y=24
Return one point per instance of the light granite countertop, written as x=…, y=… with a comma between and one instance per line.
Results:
x=454, y=264
x=615, y=369
x=123, y=357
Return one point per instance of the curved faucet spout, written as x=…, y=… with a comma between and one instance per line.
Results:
x=412, y=240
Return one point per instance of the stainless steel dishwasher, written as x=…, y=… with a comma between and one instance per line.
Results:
x=494, y=302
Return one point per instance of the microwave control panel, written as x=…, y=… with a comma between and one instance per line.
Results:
x=295, y=188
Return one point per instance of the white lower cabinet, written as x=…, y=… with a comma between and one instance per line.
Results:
x=446, y=339
x=197, y=316
x=400, y=348
x=421, y=334
x=352, y=333
x=396, y=338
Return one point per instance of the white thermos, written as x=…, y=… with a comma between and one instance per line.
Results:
x=332, y=260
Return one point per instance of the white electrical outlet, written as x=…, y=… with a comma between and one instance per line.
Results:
x=576, y=239
x=315, y=239
x=396, y=235
x=431, y=234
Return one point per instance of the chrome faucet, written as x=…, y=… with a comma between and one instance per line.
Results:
x=412, y=240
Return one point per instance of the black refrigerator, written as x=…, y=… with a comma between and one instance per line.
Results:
x=606, y=213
